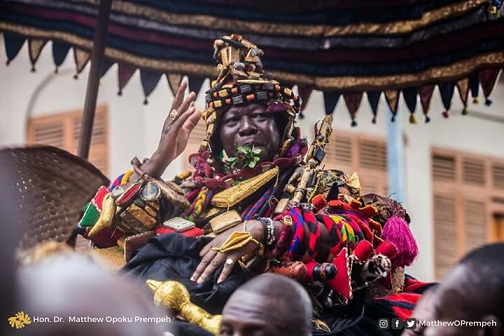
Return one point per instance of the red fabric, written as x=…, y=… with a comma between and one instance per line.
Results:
x=401, y=303
x=100, y=195
x=363, y=250
x=341, y=283
x=194, y=232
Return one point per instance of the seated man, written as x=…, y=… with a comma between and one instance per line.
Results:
x=249, y=310
x=473, y=291
x=258, y=201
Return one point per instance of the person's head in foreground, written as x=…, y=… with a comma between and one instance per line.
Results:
x=473, y=291
x=268, y=305
x=75, y=289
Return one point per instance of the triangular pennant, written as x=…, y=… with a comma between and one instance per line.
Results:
x=392, y=98
x=305, y=93
x=474, y=86
x=174, y=81
x=195, y=83
x=330, y=101
x=488, y=78
x=446, y=90
x=13, y=44
x=374, y=99
x=35, y=47
x=107, y=63
x=352, y=101
x=81, y=58
x=124, y=74
x=60, y=51
x=410, y=97
x=425, y=93
x=149, y=81
x=463, y=90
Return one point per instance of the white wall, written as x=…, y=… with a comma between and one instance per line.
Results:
x=135, y=128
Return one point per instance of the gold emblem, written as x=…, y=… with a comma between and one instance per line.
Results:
x=20, y=320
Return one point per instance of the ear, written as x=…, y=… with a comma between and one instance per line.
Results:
x=493, y=326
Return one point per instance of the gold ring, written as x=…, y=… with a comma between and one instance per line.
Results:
x=174, y=114
x=229, y=262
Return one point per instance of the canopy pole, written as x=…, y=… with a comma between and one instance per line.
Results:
x=395, y=159
x=97, y=56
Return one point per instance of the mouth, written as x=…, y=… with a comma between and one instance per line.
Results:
x=251, y=144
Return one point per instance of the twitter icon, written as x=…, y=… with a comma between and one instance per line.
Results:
x=410, y=323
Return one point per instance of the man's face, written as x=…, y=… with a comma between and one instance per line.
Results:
x=250, y=125
x=250, y=314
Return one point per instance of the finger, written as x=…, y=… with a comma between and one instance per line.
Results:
x=179, y=96
x=205, y=261
x=177, y=124
x=206, y=249
x=192, y=120
x=210, y=269
x=228, y=268
x=187, y=103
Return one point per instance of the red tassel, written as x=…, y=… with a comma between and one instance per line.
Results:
x=397, y=231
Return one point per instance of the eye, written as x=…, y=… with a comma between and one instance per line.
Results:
x=231, y=121
x=261, y=116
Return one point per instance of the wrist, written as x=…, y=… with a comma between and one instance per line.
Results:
x=156, y=165
x=256, y=229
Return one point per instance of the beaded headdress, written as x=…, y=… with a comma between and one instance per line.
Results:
x=242, y=80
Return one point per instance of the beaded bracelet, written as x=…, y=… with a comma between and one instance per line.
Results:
x=283, y=242
x=269, y=230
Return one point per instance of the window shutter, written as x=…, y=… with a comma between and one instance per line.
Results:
x=443, y=167
x=475, y=224
x=339, y=152
x=372, y=154
x=498, y=176
x=48, y=132
x=473, y=171
x=63, y=130
x=445, y=237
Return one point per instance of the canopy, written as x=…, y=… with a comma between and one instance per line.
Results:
x=341, y=47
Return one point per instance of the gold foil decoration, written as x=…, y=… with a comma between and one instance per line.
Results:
x=234, y=195
x=173, y=295
x=106, y=216
x=238, y=240
x=225, y=221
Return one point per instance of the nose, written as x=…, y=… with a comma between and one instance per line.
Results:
x=247, y=126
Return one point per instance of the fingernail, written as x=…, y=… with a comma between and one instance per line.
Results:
x=219, y=281
x=193, y=279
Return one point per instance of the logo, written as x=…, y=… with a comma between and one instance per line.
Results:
x=397, y=324
x=383, y=323
x=20, y=320
x=410, y=323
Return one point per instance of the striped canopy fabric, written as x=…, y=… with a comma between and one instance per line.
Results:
x=341, y=47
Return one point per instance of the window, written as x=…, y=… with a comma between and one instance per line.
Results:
x=365, y=155
x=63, y=130
x=466, y=188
